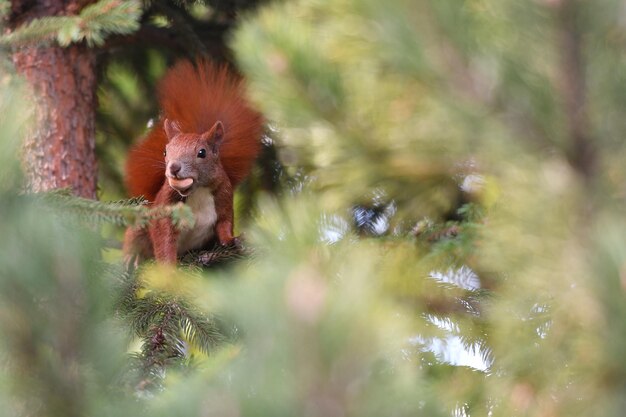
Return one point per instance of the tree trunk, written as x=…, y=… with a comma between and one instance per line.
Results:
x=60, y=151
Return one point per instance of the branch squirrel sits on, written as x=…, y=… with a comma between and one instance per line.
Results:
x=202, y=147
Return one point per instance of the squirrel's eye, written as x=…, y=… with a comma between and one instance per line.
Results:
x=202, y=153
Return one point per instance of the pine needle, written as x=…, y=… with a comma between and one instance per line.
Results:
x=91, y=25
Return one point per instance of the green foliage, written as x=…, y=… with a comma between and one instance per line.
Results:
x=169, y=327
x=55, y=299
x=406, y=100
x=91, y=25
x=5, y=6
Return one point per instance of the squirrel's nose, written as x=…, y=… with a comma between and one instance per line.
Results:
x=175, y=168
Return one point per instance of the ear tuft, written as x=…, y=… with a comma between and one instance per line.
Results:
x=216, y=136
x=172, y=128
x=218, y=131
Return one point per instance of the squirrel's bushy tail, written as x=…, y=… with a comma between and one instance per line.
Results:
x=197, y=96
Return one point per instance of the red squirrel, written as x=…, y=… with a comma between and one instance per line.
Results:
x=203, y=145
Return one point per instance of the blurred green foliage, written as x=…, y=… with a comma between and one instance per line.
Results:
x=444, y=234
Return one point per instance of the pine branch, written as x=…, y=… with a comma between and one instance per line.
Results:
x=218, y=255
x=170, y=326
x=169, y=313
x=199, y=329
x=132, y=212
x=92, y=25
x=167, y=325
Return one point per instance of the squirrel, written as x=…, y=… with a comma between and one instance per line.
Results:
x=202, y=147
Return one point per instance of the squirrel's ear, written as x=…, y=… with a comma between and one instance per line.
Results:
x=216, y=135
x=171, y=128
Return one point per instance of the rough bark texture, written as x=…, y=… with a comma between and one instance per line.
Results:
x=60, y=151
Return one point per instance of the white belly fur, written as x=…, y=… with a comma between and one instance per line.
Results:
x=202, y=205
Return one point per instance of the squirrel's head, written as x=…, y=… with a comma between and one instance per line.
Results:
x=192, y=160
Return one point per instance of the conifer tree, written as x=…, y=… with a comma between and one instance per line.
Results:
x=449, y=240
x=52, y=43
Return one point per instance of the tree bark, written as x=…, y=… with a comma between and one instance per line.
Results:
x=60, y=151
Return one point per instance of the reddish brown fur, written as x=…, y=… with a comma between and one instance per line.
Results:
x=196, y=98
